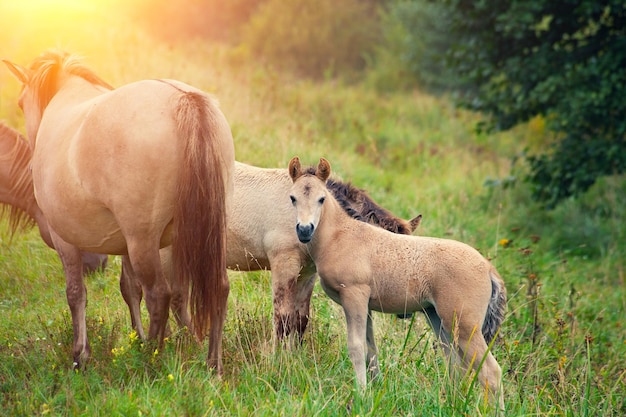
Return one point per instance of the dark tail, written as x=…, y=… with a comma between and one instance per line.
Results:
x=496, y=308
x=199, y=246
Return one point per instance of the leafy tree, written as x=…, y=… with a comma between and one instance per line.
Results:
x=562, y=59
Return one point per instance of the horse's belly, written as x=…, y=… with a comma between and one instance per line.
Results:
x=241, y=257
x=90, y=230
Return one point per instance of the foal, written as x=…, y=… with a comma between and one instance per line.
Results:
x=365, y=268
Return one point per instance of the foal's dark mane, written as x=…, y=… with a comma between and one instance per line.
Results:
x=360, y=206
x=20, y=180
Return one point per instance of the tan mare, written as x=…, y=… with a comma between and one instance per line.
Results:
x=17, y=195
x=261, y=236
x=128, y=171
x=364, y=268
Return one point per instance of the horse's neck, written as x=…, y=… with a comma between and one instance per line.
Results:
x=77, y=90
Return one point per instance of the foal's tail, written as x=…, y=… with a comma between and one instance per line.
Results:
x=199, y=247
x=496, y=308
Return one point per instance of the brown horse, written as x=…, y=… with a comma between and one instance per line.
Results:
x=260, y=236
x=128, y=171
x=364, y=268
x=17, y=196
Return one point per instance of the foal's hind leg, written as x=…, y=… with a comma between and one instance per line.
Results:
x=468, y=347
x=473, y=350
x=76, y=293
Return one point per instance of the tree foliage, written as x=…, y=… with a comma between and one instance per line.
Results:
x=564, y=60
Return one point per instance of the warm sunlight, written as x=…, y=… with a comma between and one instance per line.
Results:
x=78, y=25
x=57, y=8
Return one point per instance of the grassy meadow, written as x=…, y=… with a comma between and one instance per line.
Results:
x=563, y=347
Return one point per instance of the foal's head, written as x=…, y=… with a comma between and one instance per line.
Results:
x=308, y=195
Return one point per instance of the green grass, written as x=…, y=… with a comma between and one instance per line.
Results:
x=563, y=348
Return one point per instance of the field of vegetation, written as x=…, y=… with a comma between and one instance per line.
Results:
x=563, y=344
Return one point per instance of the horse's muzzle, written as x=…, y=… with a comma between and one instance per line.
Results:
x=305, y=232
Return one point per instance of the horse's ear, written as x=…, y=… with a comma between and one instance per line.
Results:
x=414, y=222
x=295, y=169
x=323, y=170
x=18, y=71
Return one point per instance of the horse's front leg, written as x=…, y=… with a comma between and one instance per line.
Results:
x=287, y=271
x=355, y=300
x=372, y=353
x=76, y=293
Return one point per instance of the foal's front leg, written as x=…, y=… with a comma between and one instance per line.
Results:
x=372, y=353
x=354, y=301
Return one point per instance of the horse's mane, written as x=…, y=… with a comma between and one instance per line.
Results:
x=46, y=69
x=360, y=206
x=20, y=179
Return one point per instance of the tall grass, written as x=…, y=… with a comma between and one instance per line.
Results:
x=563, y=344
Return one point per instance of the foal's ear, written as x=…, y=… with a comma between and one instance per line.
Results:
x=18, y=71
x=323, y=170
x=295, y=169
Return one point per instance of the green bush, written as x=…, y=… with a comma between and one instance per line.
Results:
x=516, y=60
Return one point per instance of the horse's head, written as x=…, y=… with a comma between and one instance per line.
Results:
x=308, y=195
x=42, y=79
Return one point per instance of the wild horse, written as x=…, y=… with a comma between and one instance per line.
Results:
x=128, y=171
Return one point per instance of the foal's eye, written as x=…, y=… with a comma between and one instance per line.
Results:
x=293, y=200
x=322, y=199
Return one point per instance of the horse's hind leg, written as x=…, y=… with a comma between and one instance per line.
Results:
x=76, y=293
x=132, y=294
x=146, y=264
x=180, y=296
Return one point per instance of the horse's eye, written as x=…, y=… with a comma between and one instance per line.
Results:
x=293, y=200
x=321, y=200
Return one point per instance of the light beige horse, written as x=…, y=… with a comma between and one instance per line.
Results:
x=17, y=196
x=261, y=236
x=364, y=268
x=128, y=171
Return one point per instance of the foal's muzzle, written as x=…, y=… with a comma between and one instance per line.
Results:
x=305, y=232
